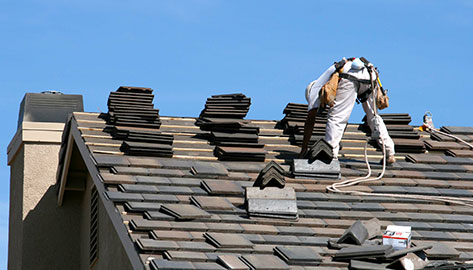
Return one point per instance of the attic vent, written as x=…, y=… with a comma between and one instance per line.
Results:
x=94, y=227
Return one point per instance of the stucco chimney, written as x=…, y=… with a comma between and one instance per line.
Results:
x=33, y=159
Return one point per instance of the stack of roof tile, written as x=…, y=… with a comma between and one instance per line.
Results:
x=136, y=135
x=458, y=131
x=226, y=106
x=406, y=138
x=135, y=121
x=133, y=106
x=234, y=138
x=146, y=149
x=238, y=139
x=240, y=153
x=294, y=120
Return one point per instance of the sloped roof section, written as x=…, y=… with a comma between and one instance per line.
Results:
x=168, y=216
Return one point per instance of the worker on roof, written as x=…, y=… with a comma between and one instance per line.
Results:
x=353, y=79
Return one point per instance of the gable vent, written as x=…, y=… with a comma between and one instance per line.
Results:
x=94, y=227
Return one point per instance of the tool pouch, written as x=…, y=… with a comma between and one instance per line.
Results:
x=328, y=92
x=382, y=99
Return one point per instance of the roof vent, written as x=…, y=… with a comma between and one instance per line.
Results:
x=302, y=168
x=269, y=197
x=271, y=202
x=49, y=106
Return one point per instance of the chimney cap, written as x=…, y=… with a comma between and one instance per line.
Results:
x=54, y=92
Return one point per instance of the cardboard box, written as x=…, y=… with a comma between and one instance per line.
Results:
x=397, y=236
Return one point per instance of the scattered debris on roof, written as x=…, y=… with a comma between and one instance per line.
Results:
x=356, y=234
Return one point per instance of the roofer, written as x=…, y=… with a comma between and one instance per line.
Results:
x=339, y=87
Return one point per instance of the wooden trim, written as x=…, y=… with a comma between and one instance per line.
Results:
x=65, y=170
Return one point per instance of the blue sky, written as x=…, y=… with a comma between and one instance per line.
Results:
x=269, y=50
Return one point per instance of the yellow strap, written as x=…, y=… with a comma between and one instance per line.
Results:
x=379, y=82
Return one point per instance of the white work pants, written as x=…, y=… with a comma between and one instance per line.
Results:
x=339, y=114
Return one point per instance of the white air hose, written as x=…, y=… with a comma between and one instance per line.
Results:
x=351, y=182
x=431, y=130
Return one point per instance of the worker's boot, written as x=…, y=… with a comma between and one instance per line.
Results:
x=390, y=160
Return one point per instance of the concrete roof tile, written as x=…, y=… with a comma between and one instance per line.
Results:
x=148, y=182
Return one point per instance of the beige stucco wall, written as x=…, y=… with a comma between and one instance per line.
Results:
x=15, y=232
x=40, y=167
x=111, y=252
x=40, y=232
x=44, y=235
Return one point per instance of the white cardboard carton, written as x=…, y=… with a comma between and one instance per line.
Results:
x=397, y=236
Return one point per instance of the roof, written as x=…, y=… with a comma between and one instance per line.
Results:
x=152, y=201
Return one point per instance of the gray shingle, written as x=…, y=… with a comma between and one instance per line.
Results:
x=265, y=262
x=232, y=262
x=195, y=246
x=209, y=169
x=212, y=203
x=208, y=266
x=115, y=196
x=185, y=256
x=332, y=205
x=298, y=255
x=281, y=239
x=152, y=180
x=156, y=245
x=227, y=240
x=110, y=160
x=442, y=251
x=184, y=211
x=162, y=264
x=367, y=206
x=295, y=230
x=141, y=224
x=138, y=188
x=142, y=206
x=162, y=198
x=175, y=190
